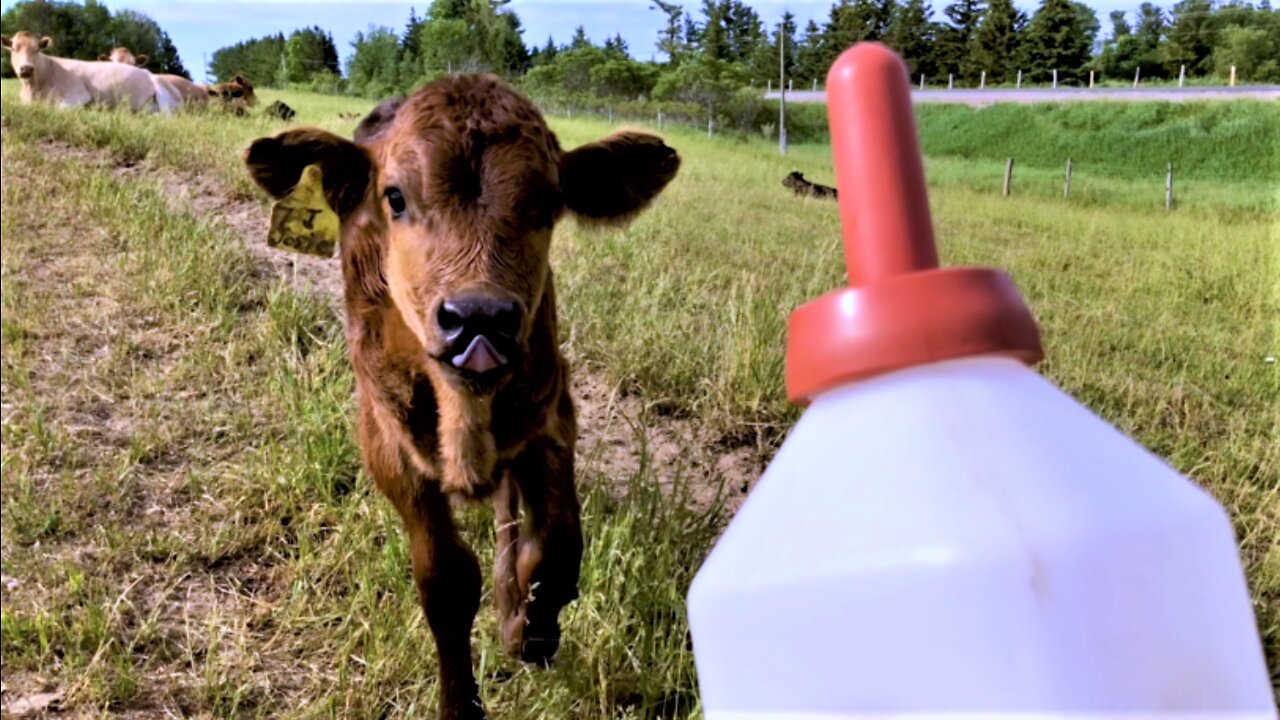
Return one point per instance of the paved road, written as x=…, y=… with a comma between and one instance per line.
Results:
x=979, y=98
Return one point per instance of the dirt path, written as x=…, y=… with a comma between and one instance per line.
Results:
x=617, y=432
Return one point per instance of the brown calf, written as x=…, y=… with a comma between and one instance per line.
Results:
x=447, y=201
x=235, y=96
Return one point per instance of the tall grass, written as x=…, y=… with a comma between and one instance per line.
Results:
x=223, y=556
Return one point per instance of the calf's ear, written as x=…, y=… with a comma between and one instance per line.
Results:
x=140, y=60
x=104, y=58
x=46, y=42
x=610, y=181
x=5, y=42
x=276, y=163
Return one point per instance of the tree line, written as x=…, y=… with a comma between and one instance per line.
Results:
x=726, y=43
x=84, y=31
x=308, y=56
x=713, y=58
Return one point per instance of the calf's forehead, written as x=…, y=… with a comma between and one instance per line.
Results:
x=475, y=151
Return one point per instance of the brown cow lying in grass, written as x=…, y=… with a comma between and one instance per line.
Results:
x=447, y=201
x=73, y=83
x=192, y=94
x=800, y=186
x=235, y=97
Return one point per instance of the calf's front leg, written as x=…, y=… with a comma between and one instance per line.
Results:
x=547, y=562
x=448, y=579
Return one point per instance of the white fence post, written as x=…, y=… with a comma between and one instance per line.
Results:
x=951, y=81
x=1091, y=79
x=815, y=84
x=1019, y=79
x=982, y=84
x=1055, y=78
x=1137, y=74
x=1182, y=75
x=921, y=81
x=1233, y=76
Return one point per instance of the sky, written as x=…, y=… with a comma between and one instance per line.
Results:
x=199, y=27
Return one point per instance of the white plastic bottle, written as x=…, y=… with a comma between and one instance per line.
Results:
x=944, y=531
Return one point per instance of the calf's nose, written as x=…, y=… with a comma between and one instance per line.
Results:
x=478, y=330
x=26, y=71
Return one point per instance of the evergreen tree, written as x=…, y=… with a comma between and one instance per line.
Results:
x=955, y=40
x=744, y=31
x=810, y=56
x=1148, y=38
x=409, y=40
x=1190, y=36
x=853, y=21
x=766, y=61
x=1119, y=55
x=308, y=53
x=1058, y=38
x=616, y=45
x=714, y=39
x=911, y=35
x=670, y=39
x=995, y=48
x=546, y=55
x=373, y=70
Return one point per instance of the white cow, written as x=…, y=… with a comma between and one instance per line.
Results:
x=191, y=93
x=72, y=83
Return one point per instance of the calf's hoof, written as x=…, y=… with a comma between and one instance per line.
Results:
x=470, y=710
x=541, y=641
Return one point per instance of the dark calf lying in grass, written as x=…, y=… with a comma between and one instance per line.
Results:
x=800, y=186
x=279, y=110
x=447, y=200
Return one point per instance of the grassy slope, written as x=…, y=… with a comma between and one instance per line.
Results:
x=1236, y=141
x=1158, y=322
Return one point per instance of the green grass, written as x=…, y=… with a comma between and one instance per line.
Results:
x=1235, y=142
x=238, y=397
x=218, y=554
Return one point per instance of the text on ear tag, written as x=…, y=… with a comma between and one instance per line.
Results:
x=302, y=221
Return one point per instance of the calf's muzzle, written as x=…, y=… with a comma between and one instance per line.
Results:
x=481, y=332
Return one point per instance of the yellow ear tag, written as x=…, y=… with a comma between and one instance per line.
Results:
x=302, y=221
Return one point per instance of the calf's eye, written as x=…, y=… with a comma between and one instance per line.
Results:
x=395, y=201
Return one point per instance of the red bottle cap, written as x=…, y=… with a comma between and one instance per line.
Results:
x=900, y=309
